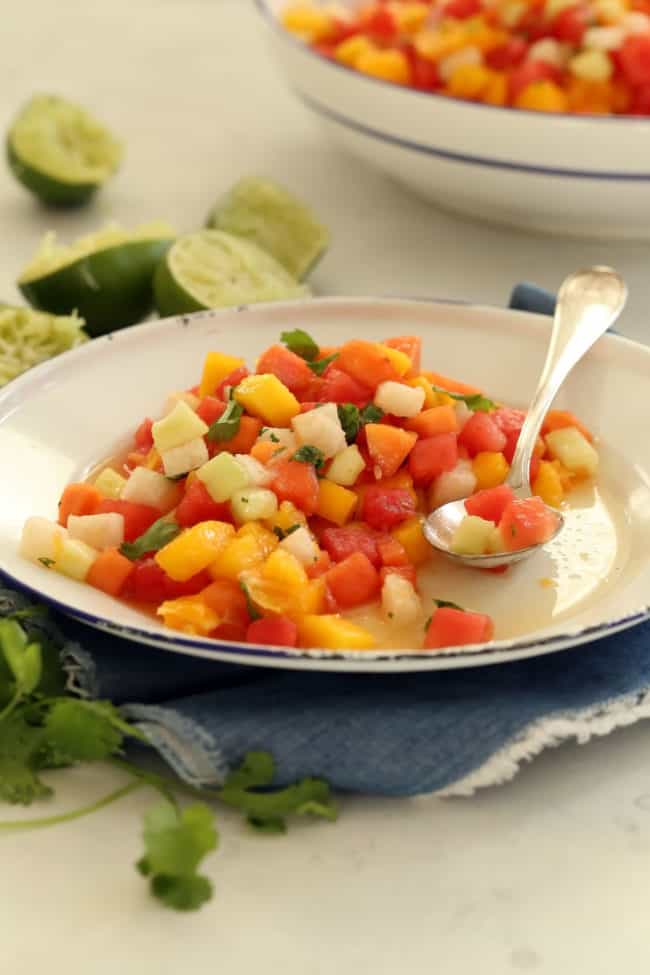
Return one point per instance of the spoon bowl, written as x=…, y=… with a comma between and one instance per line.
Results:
x=588, y=303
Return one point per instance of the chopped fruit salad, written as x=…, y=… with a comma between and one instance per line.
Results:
x=579, y=56
x=266, y=506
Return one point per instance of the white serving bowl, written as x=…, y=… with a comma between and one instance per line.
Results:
x=585, y=176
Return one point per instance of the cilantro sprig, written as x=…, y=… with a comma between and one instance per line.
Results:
x=320, y=365
x=42, y=728
x=300, y=343
x=156, y=537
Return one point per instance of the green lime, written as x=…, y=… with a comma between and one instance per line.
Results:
x=28, y=337
x=60, y=152
x=106, y=277
x=275, y=220
x=212, y=269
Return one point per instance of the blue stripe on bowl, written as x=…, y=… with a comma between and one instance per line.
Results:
x=486, y=162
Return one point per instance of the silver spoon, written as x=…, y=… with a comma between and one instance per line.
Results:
x=588, y=303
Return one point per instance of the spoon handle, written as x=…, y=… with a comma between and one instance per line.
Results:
x=588, y=303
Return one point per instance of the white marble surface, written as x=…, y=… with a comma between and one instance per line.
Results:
x=546, y=875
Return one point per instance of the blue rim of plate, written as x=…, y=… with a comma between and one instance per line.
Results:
x=483, y=161
x=261, y=652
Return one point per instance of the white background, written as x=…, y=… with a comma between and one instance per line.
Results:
x=549, y=874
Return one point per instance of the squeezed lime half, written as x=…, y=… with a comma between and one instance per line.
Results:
x=213, y=269
x=106, y=277
x=277, y=221
x=59, y=152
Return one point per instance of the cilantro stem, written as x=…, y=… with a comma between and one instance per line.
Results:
x=44, y=821
x=15, y=700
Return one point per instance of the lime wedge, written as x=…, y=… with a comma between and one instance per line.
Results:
x=212, y=269
x=59, y=152
x=275, y=220
x=106, y=277
x=28, y=337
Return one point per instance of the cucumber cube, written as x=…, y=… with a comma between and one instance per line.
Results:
x=573, y=451
x=75, y=559
x=222, y=476
x=178, y=427
x=346, y=466
x=253, y=504
x=472, y=537
x=110, y=483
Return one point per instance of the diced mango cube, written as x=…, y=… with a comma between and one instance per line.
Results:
x=411, y=536
x=240, y=553
x=307, y=21
x=490, y=469
x=286, y=517
x=268, y=398
x=189, y=614
x=284, y=569
x=333, y=632
x=398, y=359
x=431, y=398
x=335, y=503
x=350, y=50
x=194, y=549
x=548, y=484
x=215, y=369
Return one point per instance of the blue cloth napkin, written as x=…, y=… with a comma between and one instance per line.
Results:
x=395, y=735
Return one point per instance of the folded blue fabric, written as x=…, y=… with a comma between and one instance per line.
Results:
x=398, y=735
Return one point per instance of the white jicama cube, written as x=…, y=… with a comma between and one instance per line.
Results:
x=466, y=55
x=251, y=504
x=178, y=427
x=330, y=410
x=222, y=476
x=591, y=65
x=399, y=399
x=109, y=483
x=550, y=51
x=98, y=531
x=573, y=450
x=472, y=536
x=302, y=545
x=453, y=485
x=400, y=603
x=149, y=487
x=346, y=466
x=187, y=457
x=281, y=436
x=41, y=540
x=319, y=430
x=257, y=473
x=463, y=413
x=75, y=559
x=604, y=38
x=180, y=397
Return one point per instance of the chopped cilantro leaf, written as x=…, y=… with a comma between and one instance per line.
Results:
x=227, y=426
x=307, y=454
x=47, y=562
x=475, y=401
x=156, y=537
x=300, y=343
x=320, y=365
x=273, y=437
x=441, y=603
x=371, y=414
x=349, y=420
x=281, y=533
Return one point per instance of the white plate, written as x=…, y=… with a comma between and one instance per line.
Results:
x=60, y=419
